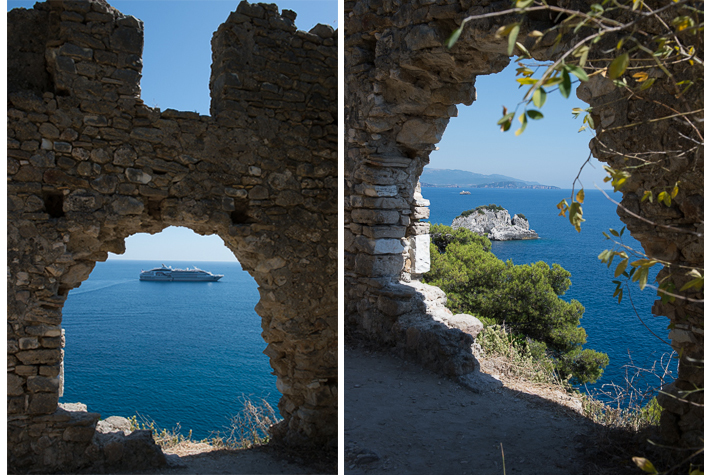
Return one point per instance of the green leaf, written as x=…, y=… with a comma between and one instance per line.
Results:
x=522, y=48
x=524, y=70
x=589, y=120
x=454, y=37
x=606, y=235
x=646, y=84
x=621, y=233
x=582, y=52
x=523, y=3
x=539, y=97
x=506, y=121
x=674, y=192
x=512, y=37
x=575, y=216
x=614, y=232
x=580, y=196
x=683, y=22
x=643, y=277
x=565, y=85
x=577, y=71
x=506, y=118
x=562, y=206
x=618, y=66
x=695, y=283
x=665, y=198
x=645, y=465
x=646, y=195
x=524, y=121
x=526, y=81
x=534, y=114
x=621, y=268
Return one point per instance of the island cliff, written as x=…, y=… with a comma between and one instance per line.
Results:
x=495, y=222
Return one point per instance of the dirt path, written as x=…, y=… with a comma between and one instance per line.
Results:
x=200, y=459
x=400, y=418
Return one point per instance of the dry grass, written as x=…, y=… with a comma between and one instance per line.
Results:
x=249, y=428
x=625, y=406
x=626, y=415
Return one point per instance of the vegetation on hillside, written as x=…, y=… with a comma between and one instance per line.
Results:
x=480, y=209
x=526, y=298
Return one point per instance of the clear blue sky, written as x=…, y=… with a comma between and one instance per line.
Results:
x=176, y=71
x=550, y=151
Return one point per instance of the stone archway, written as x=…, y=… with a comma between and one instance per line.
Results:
x=402, y=86
x=89, y=164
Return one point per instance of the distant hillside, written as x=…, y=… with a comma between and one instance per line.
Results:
x=515, y=184
x=458, y=178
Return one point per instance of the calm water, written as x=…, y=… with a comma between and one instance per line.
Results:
x=186, y=352
x=176, y=352
x=611, y=328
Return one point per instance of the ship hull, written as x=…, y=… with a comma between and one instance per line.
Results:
x=167, y=274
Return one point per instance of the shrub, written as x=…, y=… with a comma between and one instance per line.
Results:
x=480, y=210
x=525, y=297
x=490, y=207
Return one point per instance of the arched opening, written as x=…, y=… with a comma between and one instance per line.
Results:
x=403, y=83
x=176, y=353
x=528, y=175
x=89, y=164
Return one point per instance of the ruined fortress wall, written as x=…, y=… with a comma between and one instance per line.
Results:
x=666, y=153
x=89, y=164
x=402, y=86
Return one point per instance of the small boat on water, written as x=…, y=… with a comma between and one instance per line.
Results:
x=465, y=193
x=168, y=274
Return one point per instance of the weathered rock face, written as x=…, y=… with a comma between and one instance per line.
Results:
x=496, y=224
x=669, y=233
x=402, y=86
x=89, y=165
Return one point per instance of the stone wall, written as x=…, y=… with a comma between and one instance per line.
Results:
x=668, y=233
x=401, y=88
x=89, y=164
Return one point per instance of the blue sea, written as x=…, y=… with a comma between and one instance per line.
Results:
x=186, y=353
x=174, y=352
x=611, y=327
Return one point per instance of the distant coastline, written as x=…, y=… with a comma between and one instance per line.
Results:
x=444, y=178
x=504, y=184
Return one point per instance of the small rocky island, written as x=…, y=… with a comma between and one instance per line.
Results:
x=494, y=222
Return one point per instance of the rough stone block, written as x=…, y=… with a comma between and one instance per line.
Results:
x=32, y=357
x=419, y=251
x=78, y=434
x=374, y=217
x=15, y=385
x=42, y=384
x=377, y=266
x=43, y=403
x=28, y=343
x=128, y=40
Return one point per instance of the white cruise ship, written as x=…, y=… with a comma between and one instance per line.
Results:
x=168, y=274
